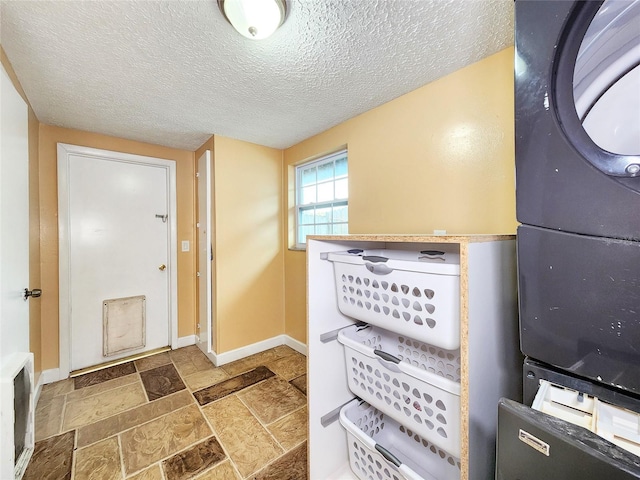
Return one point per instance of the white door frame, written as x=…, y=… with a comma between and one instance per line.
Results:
x=64, y=150
x=205, y=254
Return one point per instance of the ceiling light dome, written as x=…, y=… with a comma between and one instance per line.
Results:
x=255, y=19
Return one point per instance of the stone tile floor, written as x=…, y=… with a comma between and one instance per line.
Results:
x=174, y=416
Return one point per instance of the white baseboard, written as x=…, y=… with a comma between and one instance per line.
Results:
x=53, y=375
x=295, y=344
x=38, y=388
x=50, y=376
x=185, y=341
x=219, y=359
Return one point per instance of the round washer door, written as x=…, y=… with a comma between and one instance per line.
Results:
x=597, y=85
x=577, y=116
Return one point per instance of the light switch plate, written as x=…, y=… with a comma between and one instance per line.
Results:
x=185, y=245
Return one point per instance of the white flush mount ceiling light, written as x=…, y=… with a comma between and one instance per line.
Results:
x=255, y=19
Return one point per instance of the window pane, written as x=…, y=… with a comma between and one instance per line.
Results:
x=303, y=232
x=308, y=195
x=323, y=229
x=325, y=192
x=340, y=213
x=325, y=172
x=323, y=215
x=342, y=188
x=322, y=192
x=308, y=176
x=340, y=228
x=306, y=216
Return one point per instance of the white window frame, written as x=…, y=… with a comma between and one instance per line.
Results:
x=298, y=192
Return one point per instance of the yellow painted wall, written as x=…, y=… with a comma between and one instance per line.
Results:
x=440, y=157
x=49, y=137
x=248, y=256
x=34, y=221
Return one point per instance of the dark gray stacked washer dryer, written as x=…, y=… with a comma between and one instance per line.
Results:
x=577, y=99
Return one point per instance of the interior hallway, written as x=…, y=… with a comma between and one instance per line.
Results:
x=174, y=416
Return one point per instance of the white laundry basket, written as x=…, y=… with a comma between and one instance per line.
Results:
x=411, y=292
x=414, y=383
x=382, y=449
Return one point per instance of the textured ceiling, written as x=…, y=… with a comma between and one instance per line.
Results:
x=174, y=72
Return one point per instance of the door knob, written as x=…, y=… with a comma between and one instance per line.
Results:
x=162, y=267
x=35, y=293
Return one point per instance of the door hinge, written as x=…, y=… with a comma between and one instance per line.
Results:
x=197, y=274
x=197, y=174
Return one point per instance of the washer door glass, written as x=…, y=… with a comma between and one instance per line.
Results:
x=606, y=80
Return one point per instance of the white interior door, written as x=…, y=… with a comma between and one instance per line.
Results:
x=118, y=233
x=14, y=220
x=205, y=254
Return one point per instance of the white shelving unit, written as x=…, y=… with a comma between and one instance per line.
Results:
x=491, y=363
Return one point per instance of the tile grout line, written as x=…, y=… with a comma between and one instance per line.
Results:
x=190, y=392
x=253, y=414
x=216, y=435
x=62, y=415
x=286, y=414
x=73, y=455
x=132, y=427
x=103, y=418
x=148, y=402
x=265, y=426
x=121, y=453
x=159, y=462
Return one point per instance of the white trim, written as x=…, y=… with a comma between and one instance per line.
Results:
x=242, y=352
x=297, y=345
x=205, y=253
x=54, y=374
x=12, y=365
x=298, y=206
x=64, y=150
x=38, y=389
x=51, y=375
x=185, y=341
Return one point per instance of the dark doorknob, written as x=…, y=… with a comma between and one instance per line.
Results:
x=35, y=293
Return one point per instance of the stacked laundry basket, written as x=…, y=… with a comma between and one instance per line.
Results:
x=402, y=361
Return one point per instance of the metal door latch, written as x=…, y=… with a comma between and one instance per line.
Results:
x=163, y=217
x=35, y=293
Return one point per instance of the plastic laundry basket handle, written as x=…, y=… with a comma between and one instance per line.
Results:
x=378, y=268
x=390, y=457
x=374, y=258
x=386, y=356
x=432, y=253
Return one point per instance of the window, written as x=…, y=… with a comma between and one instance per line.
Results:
x=322, y=193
